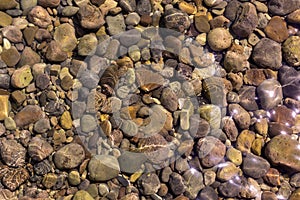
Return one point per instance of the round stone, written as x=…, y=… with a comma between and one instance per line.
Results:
x=87, y=45
x=255, y=166
x=29, y=114
x=66, y=120
x=103, y=168
x=74, y=178
x=88, y=123
x=219, y=39
x=149, y=184
x=176, y=19
x=291, y=50
x=81, y=194
x=277, y=29
x=201, y=23
x=69, y=156
x=10, y=56
x=132, y=19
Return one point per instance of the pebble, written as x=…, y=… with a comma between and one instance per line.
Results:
x=70, y=11
x=88, y=123
x=236, y=60
x=69, y=156
x=234, y=155
x=10, y=56
x=66, y=120
x=42, y=168
x=272, y=177
x=247, y=96
x=40, y=17
x=132, y=19
x=81, y=194
x=169, y=99
x=12, y=33
x=103, y=168
x=18, y=97
x=231, y=188
x=27, y=5
x=116, y=24
x=5, y=19
x=255, y=166
x=39, y=149
x=289, y=79
x=144, y=7
x=277, y=29
x=65, y=36
x=48, y=3
x=229, y=128
x=89, y=79
x=49, y=180
x=8, y=4
x=131, y=162
x=29, y=114
x=268, y=195
x=87, y=45
x=245, y=140
x=281, y=150
x=194, y=183
x=246, y=21
x=291, y=50
x=55, y=53
x=10, y=124
x=295, y=180
x=198, y=127
x=29, y=57
x=176, y=183
x=201, y=23
x=273, y=59
x=254, y=77
x=282, y=7
x=29, y=34
x=42, y=81
x=12, y=153
x=148, y=183
x=269, y=93
x=4, y=104
x=240, y=116
x=208, y=193
x=219, y=39
x=176, y=19
x=15, y=177
x=294, y=17
x=295, y=195
x=130, y=37
x=227, y=171
x=90, y=17
x=212, y=114
x=42, y=125
x=283, y=115
x=211, y=151
x=128, y=5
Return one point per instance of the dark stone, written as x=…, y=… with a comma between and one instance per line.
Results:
x=283, y=7
x=247, y=98
x=255, y=166
x=289, y=78
x=208, y=193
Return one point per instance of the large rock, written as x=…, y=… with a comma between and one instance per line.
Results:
x=269, y=94
x=65, y=35
x=90, y=17
x=12, y=153
x=40, y=17
x=282, y=150
x=283, y=7
x=103, y=168
x=7, y=4
x=255, y=166
x=267, y=54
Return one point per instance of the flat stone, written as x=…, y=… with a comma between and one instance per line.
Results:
x=5, y=19
x=148, y=183
x=90, y=17
x=272, y=59
x=245, y=140
x=277, y=29
x=8, y=4
x=291, y=50
x=29, y=33
x=229, y=128
x=103, y=168
x=87, y=45
x=40, y=17
x=10, y=124
x=169, y=99
x=48, y=3
x=22, y=77
x=39, y=149
x=255, y=166
x=29, y=114
x=176, y=183
x=65, y=36
x=69, y=156
x=290, y=79
x=201, y=23
x=282, y=7
x=281, y=150
x=10, y=56
x=116, y=24
x=246, y=21
x=211, y=151
x=131, y=162
x=269, y=94
x=55, y=53
x=88, y=123
x=66, y=120
x=219, y=39
x=13, y=34
x=130, y=37
x=29, y=57
x=283, y=115
x=294, y=17
x=81, y=194
x=12, y=153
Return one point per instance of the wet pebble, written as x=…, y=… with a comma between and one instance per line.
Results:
x=176, y=19
x=282, y=7
x=240, y=116
x=116, y=24
x=255, y=166
x=88, y=123
x=103, y=168
x=289, y=79
x=176, y=183
x=81, y=194
x=269, y=94
x=247, y=95
x=149, y=183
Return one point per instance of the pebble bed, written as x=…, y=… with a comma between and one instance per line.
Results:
x=149, y=99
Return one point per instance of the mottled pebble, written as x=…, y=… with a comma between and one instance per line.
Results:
x=12, y=153
x=39, y=149
x=291, y=50
x=277, y=29
x=219, y=39
x=149, y=183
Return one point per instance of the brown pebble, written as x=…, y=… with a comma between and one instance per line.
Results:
x=272, y=177
x=277, y=29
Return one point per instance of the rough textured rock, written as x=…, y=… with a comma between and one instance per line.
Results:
x=12, y=153
x=39, y=149
x=90, y=17
x=291, y=50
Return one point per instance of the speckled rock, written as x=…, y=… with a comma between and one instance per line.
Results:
x=116, y=24
x=255, y=166
x=219, y=39
x=281, y=150
x=294, y=17
x=55, y=53
x=81, y=194
x=269, y=93
x=15, y=177
x=291, y=50
x=69, y=156
x=267, y=54
x=103, y=168
x=240, y=116
x=149, y=183
x=10, y=56
x=12, y=153
x=290, y=79
x=176, y=19
x=87, y=45
x=13, y=34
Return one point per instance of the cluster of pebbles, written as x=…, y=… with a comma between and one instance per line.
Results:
x=149, y=99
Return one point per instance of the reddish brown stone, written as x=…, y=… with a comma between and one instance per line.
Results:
x=277, y=29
